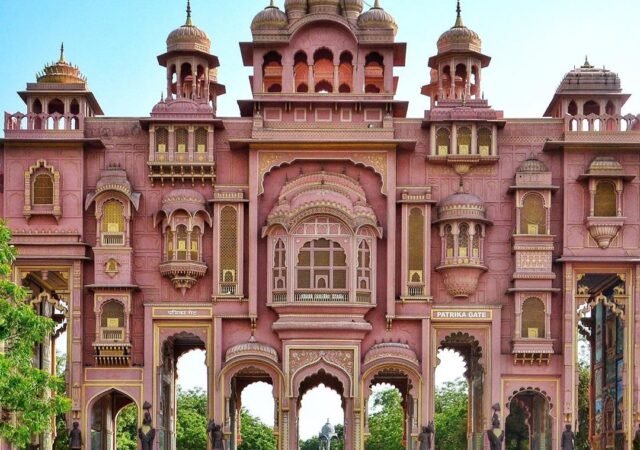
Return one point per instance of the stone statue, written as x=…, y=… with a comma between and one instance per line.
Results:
x=636, y=439
x=425, y=437
x=567, y=441
x=146, y=433
x=216, y=435
x=75, y=437
x=496, y=434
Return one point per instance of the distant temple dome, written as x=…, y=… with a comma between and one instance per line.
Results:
x=328, y=430
x=459, y=37
x=462, y=205
x=590, y=78
x=270, y=18
x=377, y=18
x=532, y=165
x=61, y=72
x=188, y=37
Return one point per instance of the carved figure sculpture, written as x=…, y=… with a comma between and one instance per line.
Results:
x=425, y=437
x=496, y=434
x=146, y=433
x=568, y=437
x=75, y=437
x=216, y=435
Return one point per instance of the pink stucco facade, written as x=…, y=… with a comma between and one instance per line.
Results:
x=321, y=236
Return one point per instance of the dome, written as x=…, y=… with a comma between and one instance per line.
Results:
x=605, y=165
x=532, y=165
x=324, y=6
x=353, y=5
x=459, y=37
x=188, y=37
x=61, y=72
x=590, y=78
x=328, y=430
x=296, y=8
x=462, y=205
x=270, y=18
x=377, y=18
x=182, y=196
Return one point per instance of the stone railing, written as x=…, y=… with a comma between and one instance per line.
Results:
x=112, y=334
x=109, y=239
x=604, y=123
x=42, y=122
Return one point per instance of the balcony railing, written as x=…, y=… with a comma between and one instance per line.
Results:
x=416, y=290
x=42, y=122
x=601, y=123
x=313, y=296
x=112, y=239
x=112, y=334
x=363, y=297
x=228, y=288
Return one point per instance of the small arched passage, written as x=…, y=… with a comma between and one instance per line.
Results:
x=101, y=421
x=529, y=423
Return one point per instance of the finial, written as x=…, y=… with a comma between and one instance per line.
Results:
x=376, y=5
x=586, y=64
x=161, y=96
x=189, y=23
x=272, y=4
x=459, y=23
x=61, y=53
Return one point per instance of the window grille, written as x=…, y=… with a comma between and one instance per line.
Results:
x=181, y=241
x=464, y=141
x=112, y=315
x=443, y=140
x=228, y=244
x=201, y=140
x=162, y=140
x=43, y=190
x=322, y=265
x=112, y=217
x=533, y=318
x=182, y=137
x=416, y=245
x=533, y=216
x=484, y=141
x=605, y=200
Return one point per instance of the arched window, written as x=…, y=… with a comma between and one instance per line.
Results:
x=573, y=108
x=279, y=267
x=322, y=264
x=416, y=248
x=449, y=240
x=476, y=242
x=272, y=72
x=301, y=72
x=374, y=73
x=364, y=266
x=591, y=107
x=443, y=141
x=323, y=70
x=55, y=106
x=201, y=140
x=112, y=217
x=170, y=244
x=484, y=141
x=605, y=200
x=533, y=215
x=228, y=247
x=43, y=189
x=464, y=140
x=186, y=80
x=182, y=237
x=195, y=245
x=75, y=107
x=345, y=72
x=533, y=318
x=37, y=109
x=182, y=137
x=112, y=314
x=162, y=140
x=463, y=241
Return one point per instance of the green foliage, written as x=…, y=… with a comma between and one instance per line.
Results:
x=310, y=444
x=584, y=384
x=191, y=426
x=386, y=424
x=517, y=432
x=255, y=434
x=31, y=395
x=126, y=428
x=452, y=401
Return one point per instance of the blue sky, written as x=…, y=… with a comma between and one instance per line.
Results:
x=533, y=44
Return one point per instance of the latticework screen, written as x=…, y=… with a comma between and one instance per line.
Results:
x=533, y=318
x=364, y=266
x=464, y=141
x=162, y=140
x=533, y=217
x=322, y=265
x=484, y=141
x=448, y=232
x=182, y=136
x=112, y=314
x=195, y=245
x=43, y=189
x=443, y=139
x=463, y=240
x=112, y=217
x=182, y=236
x=279, y=266
x=228, y=246
x=605, y=200
x=416, y=242
x=201, y=140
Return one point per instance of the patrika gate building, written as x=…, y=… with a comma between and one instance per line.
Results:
x=322, y=237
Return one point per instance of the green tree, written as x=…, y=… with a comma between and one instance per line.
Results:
x=310, y=444
x=126, y=428
x=34, y=397
x=255, y=434
x=191, y=426
x=452, y=401
x=386, y=423
x=584, y=387
x=517, y=437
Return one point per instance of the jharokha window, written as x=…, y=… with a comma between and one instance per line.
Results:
x=533, y=318
x=42, y=191
x=323, y=256
x=113, y=223
x=605, y=199
x=533, y=215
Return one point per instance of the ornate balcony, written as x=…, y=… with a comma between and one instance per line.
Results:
x=110, y=348
x=110, y=239
x=183, y=274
